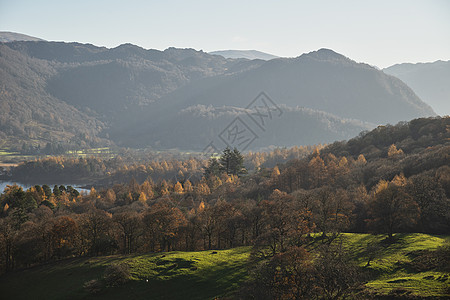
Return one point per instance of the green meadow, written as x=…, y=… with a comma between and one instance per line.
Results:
x=218, y=274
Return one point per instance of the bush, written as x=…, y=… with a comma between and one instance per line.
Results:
x=295, y=274
x=117, y=274
x=426, y=260
x=93, y=286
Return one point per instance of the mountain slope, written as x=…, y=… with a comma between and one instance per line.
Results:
x=430, y=81
x=29, y=113
x=325, y=97
x=321, y=80
x=247, y=54
x=185, y=98
x=52, y=92
x=6, y=36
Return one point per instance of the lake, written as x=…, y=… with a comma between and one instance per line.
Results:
x=25, y=186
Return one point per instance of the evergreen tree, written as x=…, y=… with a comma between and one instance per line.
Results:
x=214, y=168
x=232, y=162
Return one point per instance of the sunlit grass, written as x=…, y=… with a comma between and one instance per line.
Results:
x=4, y=152
x=218, y=273
x=425, y=284
x=389, y=267
x=173, y=275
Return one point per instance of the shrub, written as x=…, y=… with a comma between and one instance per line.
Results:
x=117, y=274
x=93, y=286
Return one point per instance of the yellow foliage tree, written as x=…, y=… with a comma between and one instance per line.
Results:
x=147, y=188
x=361, y=160
x=178, y=188
x=201, y=206
x=399, y=180
x=203, y=189
x=381, y=185
x=394, y=152
x=188, y=186
x=142, y=197
x=275, y=172
x=110, y=196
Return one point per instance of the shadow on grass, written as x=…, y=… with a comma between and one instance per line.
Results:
x=59, y=280
x=170, y=267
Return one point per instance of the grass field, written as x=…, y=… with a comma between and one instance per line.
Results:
x=7, y=156
x=206, y=275
x=174, y=275
x=390, y=265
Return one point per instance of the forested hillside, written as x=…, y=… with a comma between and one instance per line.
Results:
x=73, y=96
x=7, y=36
x=394, y=179
x=28, y=113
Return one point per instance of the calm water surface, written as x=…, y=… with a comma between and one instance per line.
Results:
x=25, y=186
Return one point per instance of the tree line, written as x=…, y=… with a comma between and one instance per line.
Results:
x=140, y=165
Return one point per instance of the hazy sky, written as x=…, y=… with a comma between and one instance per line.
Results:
x=378, y=32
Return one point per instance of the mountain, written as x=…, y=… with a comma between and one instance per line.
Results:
x=82, y=95
x=6, y=36
x=322, y=80
x=28, y=113
x=323, y=95
x=430, y=81
x=68, y=93
x=247, y=54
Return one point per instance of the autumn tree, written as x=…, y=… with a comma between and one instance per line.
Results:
x=434, y=206
x=142, y=198
x=335, y=274
x=253, y=215
x=202, y=189
x=285, y=224
x=96, y=226
x=275, y=172
x=178, y=188
x=64, y=235
x=207, y=224
x=226, y=219
x=162, y=225
x=288, y=275
x=331, y=210
x=110, y=196
x=9, y=234
x=394, y=152
x=317, y=171
x=294, y=274
x=147, y=189
x=130, y=225
x=188, y=188
x=391, y=209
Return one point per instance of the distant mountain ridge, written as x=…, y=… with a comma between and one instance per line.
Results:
x=247, y=54
x=6, y=36
x=430, y=81
x=88, y=96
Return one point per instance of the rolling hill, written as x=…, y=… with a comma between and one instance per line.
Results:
x=202, y=275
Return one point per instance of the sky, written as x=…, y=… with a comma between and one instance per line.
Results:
x=380, y=33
